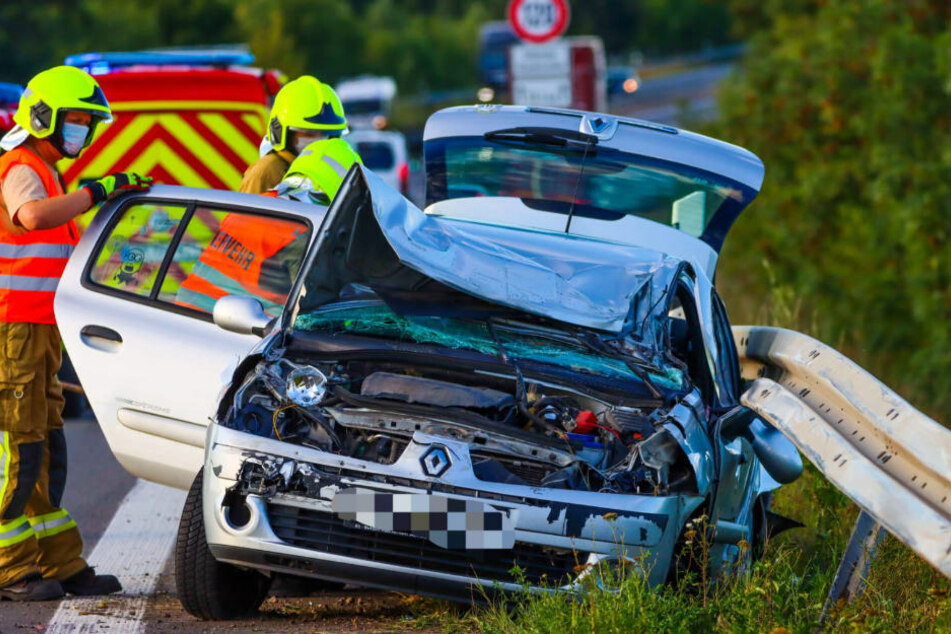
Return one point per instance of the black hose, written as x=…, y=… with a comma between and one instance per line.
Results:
x=522, y=403
x=314, y=417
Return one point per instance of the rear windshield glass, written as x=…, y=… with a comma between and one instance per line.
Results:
x=376, y=155
x=612, y=183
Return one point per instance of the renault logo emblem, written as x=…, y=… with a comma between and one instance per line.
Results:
x=435, y=461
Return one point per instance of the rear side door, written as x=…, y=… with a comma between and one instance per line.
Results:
x=143, y=343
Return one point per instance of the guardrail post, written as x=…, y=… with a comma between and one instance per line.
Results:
x=849, y=581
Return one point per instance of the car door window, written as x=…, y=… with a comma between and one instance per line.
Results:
x=728, y=372
x=130, y=259
x=232, y=253
x=185, y=257
x=686, y=340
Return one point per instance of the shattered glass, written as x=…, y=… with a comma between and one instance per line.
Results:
x=380, y=321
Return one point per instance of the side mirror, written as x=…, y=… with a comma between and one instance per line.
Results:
x=776, y=453
x=243, y=315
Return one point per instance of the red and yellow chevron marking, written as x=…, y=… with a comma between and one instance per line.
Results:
x=201, y=144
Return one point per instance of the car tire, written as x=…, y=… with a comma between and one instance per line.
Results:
x=207, y=588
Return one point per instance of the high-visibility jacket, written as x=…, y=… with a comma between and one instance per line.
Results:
x=232, y=262
x=31, y=263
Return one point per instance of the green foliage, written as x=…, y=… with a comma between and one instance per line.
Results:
x=424, y=44
x=783, y=593
x=849, y=105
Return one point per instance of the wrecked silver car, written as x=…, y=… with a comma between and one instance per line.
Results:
x=528, y=382
x=452, y=407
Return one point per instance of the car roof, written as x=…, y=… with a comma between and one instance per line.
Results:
x=224, y=198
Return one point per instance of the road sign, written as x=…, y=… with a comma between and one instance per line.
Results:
x=565, y=73
x=547, y=60
x=538, y=20
x=541, y=74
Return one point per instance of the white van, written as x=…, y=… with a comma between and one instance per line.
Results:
x=385, y=154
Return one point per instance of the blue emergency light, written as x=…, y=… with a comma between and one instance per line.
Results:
x=102, y=63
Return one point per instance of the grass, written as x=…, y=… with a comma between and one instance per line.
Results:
x=784, y=592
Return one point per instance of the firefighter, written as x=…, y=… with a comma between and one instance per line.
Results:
x=260, y=257
x=318, y=172
x=40, y=545
x=305, y=110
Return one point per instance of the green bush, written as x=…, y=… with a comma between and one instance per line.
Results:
x=849, y=105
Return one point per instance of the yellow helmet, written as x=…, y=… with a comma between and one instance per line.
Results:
x=308, y=105
x=52, y=93
x=325, y=163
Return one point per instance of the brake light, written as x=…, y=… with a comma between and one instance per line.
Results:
x=404, y=178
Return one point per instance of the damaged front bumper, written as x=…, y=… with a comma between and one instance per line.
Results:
x=424, y=524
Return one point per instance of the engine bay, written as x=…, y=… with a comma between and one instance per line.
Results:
x=520, y=430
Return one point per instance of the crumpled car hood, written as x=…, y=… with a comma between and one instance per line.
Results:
x=590, y=283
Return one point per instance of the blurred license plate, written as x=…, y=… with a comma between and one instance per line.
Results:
x=447, y=522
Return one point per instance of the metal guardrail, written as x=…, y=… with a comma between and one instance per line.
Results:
x=888, y=457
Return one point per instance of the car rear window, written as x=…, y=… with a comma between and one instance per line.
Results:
x=376, y=155
x=603, y=183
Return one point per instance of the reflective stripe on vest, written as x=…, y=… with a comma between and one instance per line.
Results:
x=231, y=263
x=32, y=263
x=207, y=285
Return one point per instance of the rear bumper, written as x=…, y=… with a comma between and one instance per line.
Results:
x=558, y=533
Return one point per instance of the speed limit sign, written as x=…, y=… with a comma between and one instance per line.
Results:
x=538, y=20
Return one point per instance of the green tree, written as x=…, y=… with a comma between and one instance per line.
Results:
x=849, y=105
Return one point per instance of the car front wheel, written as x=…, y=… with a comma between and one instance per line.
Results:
x=207, y=588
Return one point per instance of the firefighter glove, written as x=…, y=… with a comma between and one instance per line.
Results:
x=116, y=184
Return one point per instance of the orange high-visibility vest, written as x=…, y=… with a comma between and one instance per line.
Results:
x=32, y=263
x=231, y=263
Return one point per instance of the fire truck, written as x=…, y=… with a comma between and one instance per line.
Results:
x=9, y=98
x=184, y=117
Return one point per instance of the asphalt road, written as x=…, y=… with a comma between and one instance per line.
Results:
x=95, y=487
x=101, y=496
x=677, y=99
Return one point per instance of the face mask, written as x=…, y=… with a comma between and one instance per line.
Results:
x=74, y=138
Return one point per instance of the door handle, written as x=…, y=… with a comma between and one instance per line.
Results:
x=101, y=332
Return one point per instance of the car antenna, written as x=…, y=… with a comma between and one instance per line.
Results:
x=574, y=197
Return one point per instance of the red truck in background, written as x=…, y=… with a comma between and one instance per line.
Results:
x=184, y=117
x=569, y=72
x=9, y=98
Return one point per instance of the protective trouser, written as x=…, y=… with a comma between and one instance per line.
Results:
x=36, y=536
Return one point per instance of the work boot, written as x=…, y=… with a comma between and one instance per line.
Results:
x=32, y=588
x=87, y=583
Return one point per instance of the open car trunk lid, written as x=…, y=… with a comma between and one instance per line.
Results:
x=638, y=183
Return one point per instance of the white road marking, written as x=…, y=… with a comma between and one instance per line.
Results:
x=134, y=547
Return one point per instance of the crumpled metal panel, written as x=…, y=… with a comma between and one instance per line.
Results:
x=595, y=284
x=888, y=457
